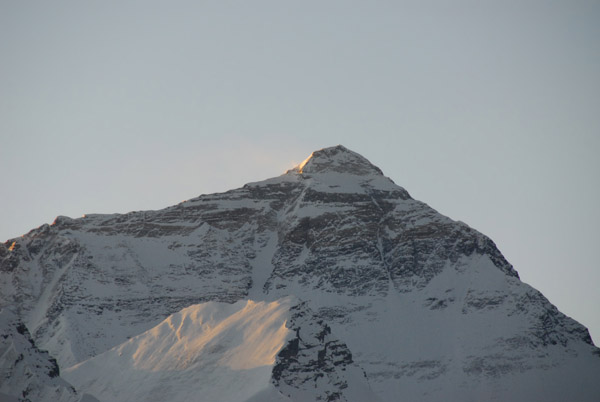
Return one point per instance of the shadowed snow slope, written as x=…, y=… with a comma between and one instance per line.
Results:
x=206, y=352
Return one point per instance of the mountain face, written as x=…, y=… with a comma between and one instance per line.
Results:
x=327, y=283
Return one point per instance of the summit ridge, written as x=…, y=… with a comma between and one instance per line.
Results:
x=338, y=159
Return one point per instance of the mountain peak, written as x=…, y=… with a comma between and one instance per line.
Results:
x=337, y=159
x=357, y=257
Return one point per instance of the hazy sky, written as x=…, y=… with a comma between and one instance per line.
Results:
x=488, y=111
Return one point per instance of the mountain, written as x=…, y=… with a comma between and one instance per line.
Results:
x=328, y=283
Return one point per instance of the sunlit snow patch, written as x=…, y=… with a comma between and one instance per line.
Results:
x=206, y=352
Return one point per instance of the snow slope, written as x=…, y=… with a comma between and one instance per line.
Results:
x=206, y=352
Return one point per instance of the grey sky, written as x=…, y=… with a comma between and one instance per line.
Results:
x=487, y=111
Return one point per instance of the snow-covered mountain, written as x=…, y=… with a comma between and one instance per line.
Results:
x=328, y=283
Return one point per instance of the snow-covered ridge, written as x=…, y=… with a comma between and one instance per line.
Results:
x=206, y=352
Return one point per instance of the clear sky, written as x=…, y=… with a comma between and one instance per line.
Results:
x=488, y=111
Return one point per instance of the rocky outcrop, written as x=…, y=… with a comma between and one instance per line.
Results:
x=314, y=365
x=29, y=374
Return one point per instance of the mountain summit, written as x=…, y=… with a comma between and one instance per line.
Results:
x=337, y=159
x=329, y=282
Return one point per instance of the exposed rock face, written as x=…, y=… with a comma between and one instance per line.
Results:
x=415, y=300
x=317, y=366
x=27, y=373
